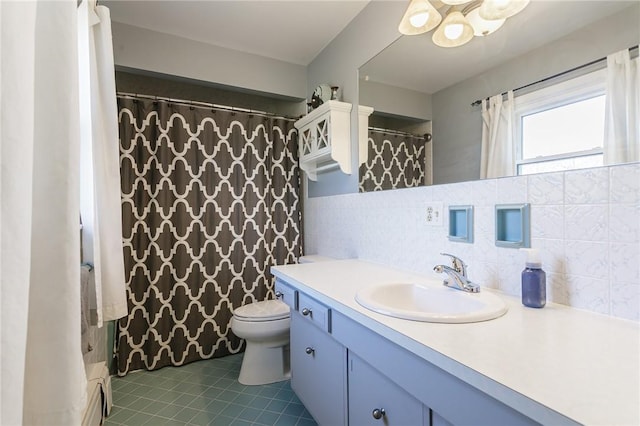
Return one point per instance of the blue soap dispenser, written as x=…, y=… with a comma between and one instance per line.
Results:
x=534, y=281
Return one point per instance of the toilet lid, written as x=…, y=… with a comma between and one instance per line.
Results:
x=262, y=311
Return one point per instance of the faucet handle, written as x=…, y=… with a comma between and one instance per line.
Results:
x=458, y=264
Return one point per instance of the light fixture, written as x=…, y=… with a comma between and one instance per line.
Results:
x=478, y=17
x=454, y=31
x=419, y=18
x=455, y=2
x=501, y=9
x=483, y=27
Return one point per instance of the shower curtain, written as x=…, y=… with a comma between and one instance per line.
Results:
x=394, y=161
x=210, y=200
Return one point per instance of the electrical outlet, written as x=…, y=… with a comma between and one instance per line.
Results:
x=434, y=213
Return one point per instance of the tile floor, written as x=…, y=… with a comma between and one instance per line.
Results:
x=203, y=393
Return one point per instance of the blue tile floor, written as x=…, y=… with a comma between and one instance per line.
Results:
x=203, y=393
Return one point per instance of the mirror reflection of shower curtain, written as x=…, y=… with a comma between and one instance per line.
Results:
x=395, y=160
x=210, y=200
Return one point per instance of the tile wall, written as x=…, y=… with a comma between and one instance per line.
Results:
x=586, y=224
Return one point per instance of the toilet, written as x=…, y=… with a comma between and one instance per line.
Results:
x=265, y=327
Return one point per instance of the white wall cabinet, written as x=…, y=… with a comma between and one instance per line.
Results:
x=324, y=138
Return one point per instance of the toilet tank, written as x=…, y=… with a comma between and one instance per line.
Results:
x=313, y=258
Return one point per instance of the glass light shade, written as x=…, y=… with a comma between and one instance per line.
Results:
x=416, y=12
x=418, y=20
x=501, y=9
x=483, y=27
x=454, y=31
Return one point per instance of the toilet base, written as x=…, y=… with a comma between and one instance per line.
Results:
x=263, y=363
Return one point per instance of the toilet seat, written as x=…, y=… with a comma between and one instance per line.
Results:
x=267, y=310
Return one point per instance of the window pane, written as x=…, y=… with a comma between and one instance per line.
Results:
x=575, y=127
x=583, y=162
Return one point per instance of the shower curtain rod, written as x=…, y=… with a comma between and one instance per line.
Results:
x=204, y=105
x=399, y=132
x=597, y=61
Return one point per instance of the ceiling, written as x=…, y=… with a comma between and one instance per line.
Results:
x=294, y=31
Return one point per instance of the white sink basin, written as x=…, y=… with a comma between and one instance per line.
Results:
x=431, y=303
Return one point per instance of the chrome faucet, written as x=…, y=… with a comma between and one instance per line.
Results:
x=457, y=275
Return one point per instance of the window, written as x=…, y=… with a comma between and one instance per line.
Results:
x=561, y=127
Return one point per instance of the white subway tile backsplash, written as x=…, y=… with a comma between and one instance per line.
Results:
x=546, y=188
x=588, y=293
x=512, y=190
x=625, y=299
x=625, y=222
x=484, y=274
x=484, y=222
x=586, y=222
x=547, y=221
x=485, y=192
x=557, y=289
x=587, y=259
x=551, y=255
x=589, y=186
x=588, y=232
x=625, y=183
x=625, y=262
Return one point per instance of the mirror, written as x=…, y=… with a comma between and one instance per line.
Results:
x=417, y=87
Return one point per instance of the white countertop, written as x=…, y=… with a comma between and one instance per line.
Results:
x=582, y=365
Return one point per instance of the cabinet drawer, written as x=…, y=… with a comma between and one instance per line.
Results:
x=314, y=311
x=287, y=294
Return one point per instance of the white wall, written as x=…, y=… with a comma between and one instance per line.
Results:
x=586, y=224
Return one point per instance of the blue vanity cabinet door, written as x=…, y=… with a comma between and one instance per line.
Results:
x=318, y=371
x=376, y=400
x=437, y=420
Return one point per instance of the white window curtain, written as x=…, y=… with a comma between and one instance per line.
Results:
x=42, y=373
x=100, y=164
x=498, y=153
x=622, y=113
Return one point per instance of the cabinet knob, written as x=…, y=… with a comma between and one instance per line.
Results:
x=309, y=350
x=279, y=294
x=306, y=311
x=378, y=413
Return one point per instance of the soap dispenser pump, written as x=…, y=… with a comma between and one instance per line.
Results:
x=534, y=281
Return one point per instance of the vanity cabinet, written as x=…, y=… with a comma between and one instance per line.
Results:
x=347, y=374
x=376, y=400
x=318, y=363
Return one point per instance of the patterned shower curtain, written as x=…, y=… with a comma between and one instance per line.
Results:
x=210, y=200
x=394, y=161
